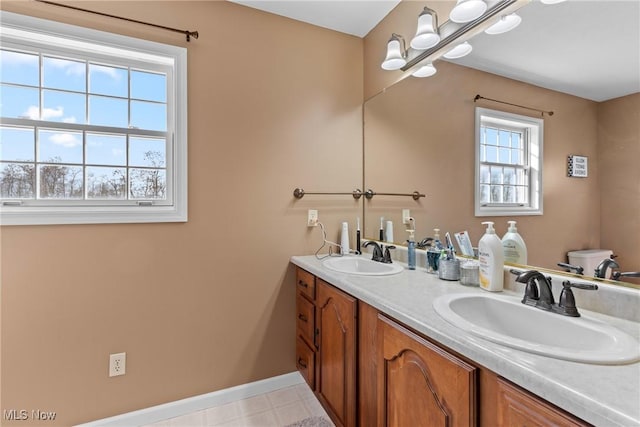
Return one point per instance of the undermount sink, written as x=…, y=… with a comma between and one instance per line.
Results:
x=505, y=320
x=361, y=266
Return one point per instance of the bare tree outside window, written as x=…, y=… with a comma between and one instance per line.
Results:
x=149, y=183
x=60, y=181
x=17, y=181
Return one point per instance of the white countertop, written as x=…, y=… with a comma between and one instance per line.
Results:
x=599, y=394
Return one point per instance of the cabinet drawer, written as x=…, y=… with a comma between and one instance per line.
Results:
x=305, y=319
x=305, y=362
x=306, y=283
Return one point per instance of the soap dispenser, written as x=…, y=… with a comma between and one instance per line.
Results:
x=515, y=250
x=411, y=247
x=491, y=259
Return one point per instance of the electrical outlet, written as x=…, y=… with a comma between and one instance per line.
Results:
x=312, y=218
x=117, y=364
x=406, y=214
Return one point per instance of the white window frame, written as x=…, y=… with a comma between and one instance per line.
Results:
x=20, y=31
x=534, y=129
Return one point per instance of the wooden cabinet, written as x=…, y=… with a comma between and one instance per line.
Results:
x=518, y=407
x=326, y=345
x=305, y=326
x=420, y=384
x=369, y=370
x=336, y=357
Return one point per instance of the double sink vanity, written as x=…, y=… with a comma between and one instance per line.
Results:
x=382, y=345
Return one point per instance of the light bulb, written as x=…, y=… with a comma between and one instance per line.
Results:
x=467, y=10
x=427, y=33
x=506, y=23
x=427, y=70
x=463, y=49
x=395, y=57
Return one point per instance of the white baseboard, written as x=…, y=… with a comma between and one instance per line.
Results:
x=165, y=411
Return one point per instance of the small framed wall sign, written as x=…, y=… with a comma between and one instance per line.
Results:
x=577, y=166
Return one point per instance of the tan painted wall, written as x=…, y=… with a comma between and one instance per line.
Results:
x=273, y=104
x=618, y=154
x=420, y=136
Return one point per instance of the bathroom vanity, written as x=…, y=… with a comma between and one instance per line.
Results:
x=377, y=354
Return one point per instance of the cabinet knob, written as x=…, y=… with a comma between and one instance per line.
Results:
x=302, y=363
x=302, y=317
x=303, y=284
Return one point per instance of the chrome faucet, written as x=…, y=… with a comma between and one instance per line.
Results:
x=579, y=270
x=377, y=250
x=538, y=293
x=601, y=270
x=380, y=252
x=617, y=275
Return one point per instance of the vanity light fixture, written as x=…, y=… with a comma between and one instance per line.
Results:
x=449, y=39
x=504, y=24
x=467, y=10
x=427, y=70
x=551, y=1
x=427, y=33
x=463, y=49
x=396, y=53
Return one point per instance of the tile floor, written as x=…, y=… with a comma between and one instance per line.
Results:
x=274, y=409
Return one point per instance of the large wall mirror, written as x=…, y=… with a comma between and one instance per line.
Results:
x=419, y=134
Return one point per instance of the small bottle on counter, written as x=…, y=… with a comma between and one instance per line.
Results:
x=411, y=250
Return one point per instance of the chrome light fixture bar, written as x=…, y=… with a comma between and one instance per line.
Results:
x=452, y=33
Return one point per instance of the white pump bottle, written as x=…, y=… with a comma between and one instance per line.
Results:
x=491, y=259
x=515, y=250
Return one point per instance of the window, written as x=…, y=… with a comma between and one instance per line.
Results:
x=508, y=164
x=90, y=129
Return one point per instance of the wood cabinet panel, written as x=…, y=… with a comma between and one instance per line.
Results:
x=306, y=283
x=519, y=408
x=305, y=320
x=367, y=365
x=420, y=384
x=305, y=361
x=336, y=356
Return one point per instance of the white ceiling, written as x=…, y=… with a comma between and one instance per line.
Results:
x=587, y=48
x=355, y=17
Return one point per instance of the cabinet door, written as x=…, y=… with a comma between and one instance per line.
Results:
x=518, y=407
x=336, y=357
x=420, y=384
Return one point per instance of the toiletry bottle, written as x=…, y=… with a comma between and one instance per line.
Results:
x=344, y=239
x=381, y=229
x=514, y=248
x=388, y=234
x=491, y=259
x=411, y=250
x=433, y=254
x=358, y=248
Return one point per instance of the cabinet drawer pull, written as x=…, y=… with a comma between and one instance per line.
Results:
x=302, y=363
x=303, y=284
x=302, y=317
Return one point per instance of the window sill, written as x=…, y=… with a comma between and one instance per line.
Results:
x=88, y=215
x=506, y=211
